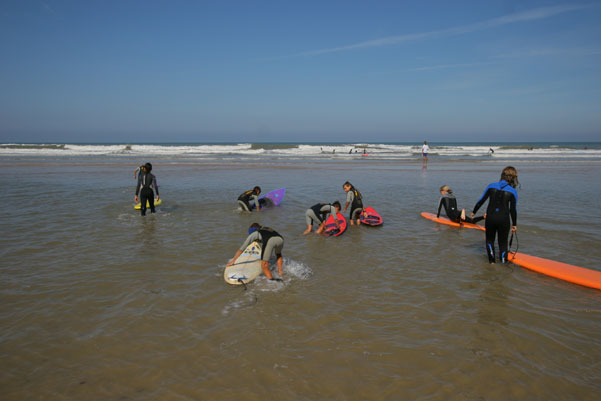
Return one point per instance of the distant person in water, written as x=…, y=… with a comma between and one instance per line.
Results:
x=491, y=151
x=425, y=151
x=271, y=242
x=146, y=182
x=501, y=215
x=449, y=203
x=355, y=200
x=249, y=198
x=318, y=214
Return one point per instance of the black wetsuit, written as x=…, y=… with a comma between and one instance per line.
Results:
x=449, y=203
x=146, y=182
x=502, y=206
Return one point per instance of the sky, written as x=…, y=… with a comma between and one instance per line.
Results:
x=131, y=71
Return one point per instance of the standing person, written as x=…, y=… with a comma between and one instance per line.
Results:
x=502, y=206
x=425, y=151
x=355, y=199
x=270, y=241
x=250, y=197
x=138, y=170
x=318, y=214
x=146, y=181
x=448, y=201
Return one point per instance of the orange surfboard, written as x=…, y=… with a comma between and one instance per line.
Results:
x=563, y=271
x=444, y=220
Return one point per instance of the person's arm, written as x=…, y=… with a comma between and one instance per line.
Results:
x=138, y=187
x=481, y=201
x=156, y=186
x=439, y=207
x=256, y=200
x=513, y=212
x=349, y=199
x=333, y=213
x=252, y=237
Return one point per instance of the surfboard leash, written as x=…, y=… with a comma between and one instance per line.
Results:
x=243, y=283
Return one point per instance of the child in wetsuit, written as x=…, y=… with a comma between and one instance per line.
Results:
x=355, y=199
x=502, y=211
x=449, y=203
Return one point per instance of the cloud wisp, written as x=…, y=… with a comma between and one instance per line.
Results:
x=528, y=15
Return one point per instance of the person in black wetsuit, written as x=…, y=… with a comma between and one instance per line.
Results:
x=271, y=241
x=449, y=203
x=248, y=197
x=146, y=182
x=501, y=215
x=355, y=199
x=318, y=213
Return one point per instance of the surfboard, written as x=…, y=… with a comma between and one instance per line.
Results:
x=444, y=220
x=370, y=217
x=331, y=229
x=138, y=206
x=247, y=266
x=563, y=271
x=273, y=198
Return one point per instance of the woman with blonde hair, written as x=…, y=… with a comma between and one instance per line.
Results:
x=501, y=214
x=449, y=203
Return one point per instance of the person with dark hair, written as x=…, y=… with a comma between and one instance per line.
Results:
x=250, y=198
x=146, y=182
x=270, y=242
x=355, y=199
x=318, y=213
x=501, y=215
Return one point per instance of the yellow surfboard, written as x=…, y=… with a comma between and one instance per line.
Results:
x=138, y=206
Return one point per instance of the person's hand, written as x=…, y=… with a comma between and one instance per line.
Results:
x=514, y=229
x=157, y=198
x=472, y=215
x=136, y=199
x=230, y=263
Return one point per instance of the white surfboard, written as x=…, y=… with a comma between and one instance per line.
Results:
x=247, y=266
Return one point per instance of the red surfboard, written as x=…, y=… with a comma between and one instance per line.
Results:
x=444, y=220
x=370, y=217
x=331, y=229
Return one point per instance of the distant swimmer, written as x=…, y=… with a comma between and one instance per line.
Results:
x=350, y=151
x=425, y=151
x=501, y=213
x=449, y=203
x=355, y=199
x=249, y=198
x=318, y=214
x=491, y=151
x=271, y=242
x=146, y=182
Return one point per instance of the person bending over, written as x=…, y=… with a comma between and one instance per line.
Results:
x=271, y=242
x=318, y=214
x=249, y=198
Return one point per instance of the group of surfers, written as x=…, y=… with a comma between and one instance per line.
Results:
x=500, y=217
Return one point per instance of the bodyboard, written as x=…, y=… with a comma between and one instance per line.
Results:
x=138, y=206
x=370, y=217
x=331, y=230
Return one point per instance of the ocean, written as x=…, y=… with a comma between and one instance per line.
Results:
x=100, y=303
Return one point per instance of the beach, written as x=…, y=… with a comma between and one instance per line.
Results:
x=99, y=303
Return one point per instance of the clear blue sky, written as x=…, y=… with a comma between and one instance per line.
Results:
x=225, y=70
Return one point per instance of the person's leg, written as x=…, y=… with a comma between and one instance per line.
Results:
x=309, y=219
x=151, y=200
x=143, y=200
x=491, y=231
x=503, y=239
x=243, y=206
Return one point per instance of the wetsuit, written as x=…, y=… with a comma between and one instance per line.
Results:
x=502, y=206
x=247, y=197
x=270, y=239
x=449, y=203
x=318, y=212
x=146, y=182
x=356, y=200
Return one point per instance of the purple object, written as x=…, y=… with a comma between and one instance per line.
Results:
x=273, y=198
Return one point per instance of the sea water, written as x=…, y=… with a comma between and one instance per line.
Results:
x=99, y=303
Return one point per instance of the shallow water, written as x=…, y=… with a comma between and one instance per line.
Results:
x=99, y=303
